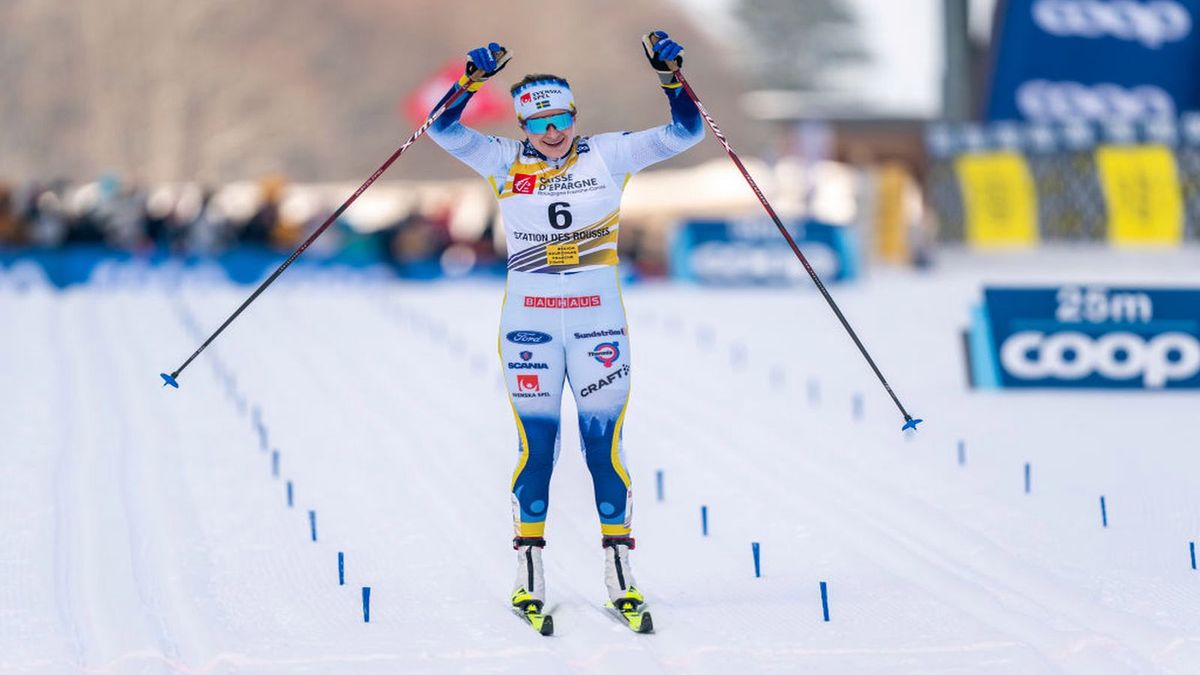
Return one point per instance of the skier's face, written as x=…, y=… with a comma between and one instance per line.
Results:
x=554, y=143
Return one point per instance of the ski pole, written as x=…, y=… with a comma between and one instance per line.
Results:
x=909, y=422
x=442, y=106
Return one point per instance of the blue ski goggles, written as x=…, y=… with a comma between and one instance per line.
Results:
x=538, y=125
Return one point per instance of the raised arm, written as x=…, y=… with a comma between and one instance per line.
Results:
x=630, y=152
x=487, y=155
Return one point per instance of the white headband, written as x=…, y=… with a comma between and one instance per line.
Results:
x=535, y=97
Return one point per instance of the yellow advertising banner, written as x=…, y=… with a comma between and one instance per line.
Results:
x=999, y=200
x=891, y=223
x=1141, y=188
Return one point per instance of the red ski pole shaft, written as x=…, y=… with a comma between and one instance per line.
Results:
x=909, y=422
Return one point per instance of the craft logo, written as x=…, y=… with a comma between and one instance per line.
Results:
x=528, y=337
x=524, y=183
x=526, y=97
x=606, y=353
x=525, y=356
x=575, y=302
x=528, y=383
x=603, y=382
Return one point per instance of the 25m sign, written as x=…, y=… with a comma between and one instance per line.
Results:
x=1086, y=336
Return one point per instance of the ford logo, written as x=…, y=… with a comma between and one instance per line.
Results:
x=528, y=337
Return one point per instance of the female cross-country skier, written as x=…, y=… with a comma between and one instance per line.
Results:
x=560, y=198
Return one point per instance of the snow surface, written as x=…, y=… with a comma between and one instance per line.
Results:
x=142, y=531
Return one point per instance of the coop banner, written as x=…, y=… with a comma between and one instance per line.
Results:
x=1099, y=337
x=1067, y=60
x=752, y=251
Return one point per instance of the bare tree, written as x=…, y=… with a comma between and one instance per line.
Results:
x=795, y=44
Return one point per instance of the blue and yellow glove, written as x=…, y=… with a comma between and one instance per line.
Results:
x=665, y=56
x=483, y=63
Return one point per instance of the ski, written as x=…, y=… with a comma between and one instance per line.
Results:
x=529, y=608
x=636, y=616
x=532, y=614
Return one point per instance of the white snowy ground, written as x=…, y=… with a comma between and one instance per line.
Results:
x=141, y=529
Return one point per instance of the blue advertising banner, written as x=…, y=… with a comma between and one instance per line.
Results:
x=751, y=251
x=247, y=264
x=1086, y=337
x=1076, y=60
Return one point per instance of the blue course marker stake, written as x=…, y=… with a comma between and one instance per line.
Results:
x=754, y=549
x=1192, y=547
x=658, y=484
x=366, y=604
x=737, y=355
x=275, y=463
x=858, y=406
x=814, y=392
x=312, y=524
x=341, y=569
x=777, y=377
x=704, y=520
x=1103, y=512
x=962, y=453
x=824, y=601
x=1026, y=477
x=289, y=493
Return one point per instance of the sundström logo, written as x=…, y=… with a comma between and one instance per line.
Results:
x=1045, y=101
x=1151, y=23
x=1033, y=355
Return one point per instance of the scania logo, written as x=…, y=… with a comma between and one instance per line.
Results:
x=1151, y=23
x=1070, y=355
x=528, y=337
x=1046, y=101
x=521, y=365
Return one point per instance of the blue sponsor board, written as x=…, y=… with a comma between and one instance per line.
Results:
x=1100, y=337
x=752, y=251
x=1073, y=60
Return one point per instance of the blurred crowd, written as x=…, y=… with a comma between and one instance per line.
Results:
x=421, y=230
x=193, y=220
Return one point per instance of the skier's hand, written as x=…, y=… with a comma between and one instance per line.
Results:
x=665, y=54
x=485, y=62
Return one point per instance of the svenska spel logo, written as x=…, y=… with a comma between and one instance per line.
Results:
x=526, y=97
x=524, y=183
x=606, y=353
x=528, y=383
